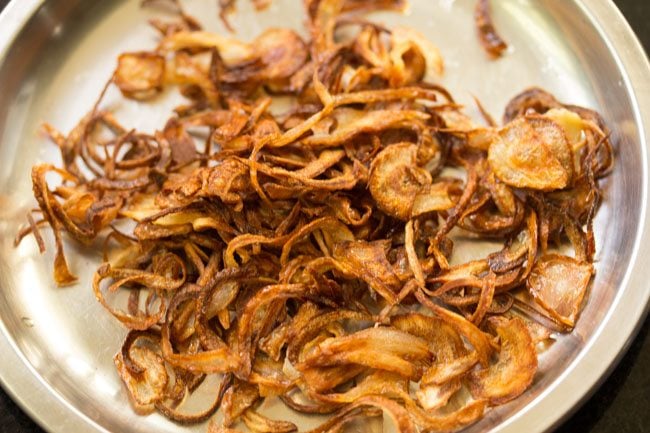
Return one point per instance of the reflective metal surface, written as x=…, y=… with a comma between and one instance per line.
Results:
x=57, y=344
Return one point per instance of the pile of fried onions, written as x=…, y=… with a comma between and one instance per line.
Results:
x=306, y=253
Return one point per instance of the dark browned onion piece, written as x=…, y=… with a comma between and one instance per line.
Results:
x=490, y=39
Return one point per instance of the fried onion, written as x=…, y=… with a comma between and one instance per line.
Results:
x=317, y=253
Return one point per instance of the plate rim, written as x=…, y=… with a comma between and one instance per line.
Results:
x=568, y=392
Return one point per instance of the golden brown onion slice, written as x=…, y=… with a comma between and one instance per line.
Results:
x=261, y=424
x=325, y=379
x=376, y=382
x=368, y=261
x=532, y=152
x=381, y=348
x=140, y=75
x=446, y=370
x=434, y=198
x=238, y=399
x=147, y=387
x=354, y=122
x=558, y=283
x=231, y=50
x=444, y=342
x=396, y=180
x=571, y=122
x=477, y=338
x=413, y=56
x=398, y=414
x=448, y=421
x=433, y=397
x=515, y=368
x=281, y=51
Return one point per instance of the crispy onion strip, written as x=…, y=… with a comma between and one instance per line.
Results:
x=476, y=337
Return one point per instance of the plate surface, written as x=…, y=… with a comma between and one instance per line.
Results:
x=57, y=344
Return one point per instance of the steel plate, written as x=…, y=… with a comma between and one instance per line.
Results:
x=57, y=344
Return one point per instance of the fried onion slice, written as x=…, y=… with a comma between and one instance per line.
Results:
x=532, y=152
x=558, y=283
x=140, y=75
x=380, y=348
x=515, y=368
x=368, y=260
x=492, y=43
x=401, y=188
